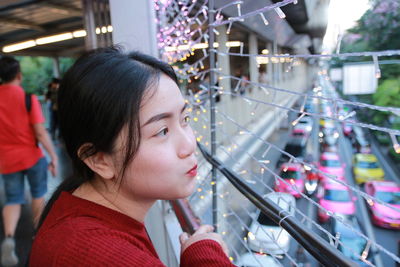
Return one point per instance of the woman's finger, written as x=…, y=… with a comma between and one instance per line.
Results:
x=183, y=237
x=203, y=229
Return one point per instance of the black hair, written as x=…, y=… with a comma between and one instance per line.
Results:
x=55, y=80
x=98, y=96
x=9, y=68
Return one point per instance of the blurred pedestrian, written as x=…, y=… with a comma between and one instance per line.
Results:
x=51, y=96
x=21, y=130
x=126, y=128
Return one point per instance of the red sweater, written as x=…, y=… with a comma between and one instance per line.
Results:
x=78, y=232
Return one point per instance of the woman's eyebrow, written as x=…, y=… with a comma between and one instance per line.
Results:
x=162, y=116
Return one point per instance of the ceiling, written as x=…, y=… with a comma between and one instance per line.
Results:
x=22, y=20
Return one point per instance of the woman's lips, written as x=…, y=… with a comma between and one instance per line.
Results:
x=193, y=171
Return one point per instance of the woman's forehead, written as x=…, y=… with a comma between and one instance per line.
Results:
x=164, y=97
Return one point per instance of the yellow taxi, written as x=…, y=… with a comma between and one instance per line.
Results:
x=366, y=168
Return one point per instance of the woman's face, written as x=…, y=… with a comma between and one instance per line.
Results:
x=165, y=165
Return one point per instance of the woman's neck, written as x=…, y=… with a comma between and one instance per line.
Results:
x=99, y=194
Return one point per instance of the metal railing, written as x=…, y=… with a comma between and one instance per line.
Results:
x=321, y=250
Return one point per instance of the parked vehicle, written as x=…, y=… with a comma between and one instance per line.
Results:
x=366, y=168
x=294, y=176
x=388, y=192
x=329, y=162
x=335, y=198
x=267, y=236
x=351, y=244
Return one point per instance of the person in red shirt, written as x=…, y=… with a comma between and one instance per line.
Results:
x=126, y=128
x=21, y=130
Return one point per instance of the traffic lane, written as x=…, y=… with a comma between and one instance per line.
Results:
x=303, y=205
x=390, y=174
x=380, y=237
x=387, y=238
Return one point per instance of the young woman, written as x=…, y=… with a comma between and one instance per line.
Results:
x=125, y=127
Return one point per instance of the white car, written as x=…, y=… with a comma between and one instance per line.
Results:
x=264, y=235
x=305, y=123
x=256, y=260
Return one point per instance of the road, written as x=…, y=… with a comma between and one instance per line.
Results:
x=386, y=238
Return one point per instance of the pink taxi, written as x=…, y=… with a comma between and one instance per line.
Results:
x=329, y=163
x=335, y=198
x=389, y=193
x=294, y=175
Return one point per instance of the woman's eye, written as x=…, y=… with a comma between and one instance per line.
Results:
x=186, y=119
x=163, y=132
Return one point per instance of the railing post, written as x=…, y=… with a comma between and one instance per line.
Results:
x=212, y=109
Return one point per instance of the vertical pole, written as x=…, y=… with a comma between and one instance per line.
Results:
x=253, y=49
x=90, y=25
x=134, y=26
x=275, y=65
x=212, y=109
x=56, y=67
x=270, y=70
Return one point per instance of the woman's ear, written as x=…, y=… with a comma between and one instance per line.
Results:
x=101, y=163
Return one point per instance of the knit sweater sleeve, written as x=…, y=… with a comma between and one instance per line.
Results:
x=207, y=253
x=105, y=248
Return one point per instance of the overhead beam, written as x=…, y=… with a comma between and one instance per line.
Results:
x=22, y=24
x=63, y=9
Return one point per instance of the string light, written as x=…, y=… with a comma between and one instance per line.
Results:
x=396, y=145
x=298, y=119
x=280, y=13
x=239, y=10
x=349, y=115
x=376, y=65
x=228, y=31
x=264, y=19
x=253, y=13
x=176, y=40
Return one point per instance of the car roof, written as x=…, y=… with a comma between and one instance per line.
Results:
x=297, y=141
x=366, y=157
x=306, y=119
x=298, y=130
x=329, y=155
x=379, y=185
x=335, y=185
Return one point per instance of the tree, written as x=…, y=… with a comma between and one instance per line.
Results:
x=378, y=29
x=38, y=72
x=387, y=95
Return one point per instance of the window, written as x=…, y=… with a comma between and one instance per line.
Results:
x=290, y=175
x=337, y=195
x=389, y=197
x=330, y=163
x=367, y=165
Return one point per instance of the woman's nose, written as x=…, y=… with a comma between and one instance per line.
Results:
x=187, y=142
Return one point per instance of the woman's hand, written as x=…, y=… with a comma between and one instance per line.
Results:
x=204, y=232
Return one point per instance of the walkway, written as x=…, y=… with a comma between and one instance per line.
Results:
x=25, y=229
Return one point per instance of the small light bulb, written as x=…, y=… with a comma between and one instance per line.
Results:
x=264, y=19
x=280, y=13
